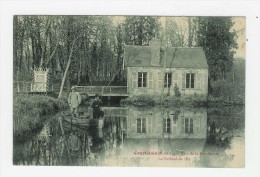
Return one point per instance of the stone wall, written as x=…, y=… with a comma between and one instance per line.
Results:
x=155, y=81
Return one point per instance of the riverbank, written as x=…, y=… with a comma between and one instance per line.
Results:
x=167, y=101
x=31, y=111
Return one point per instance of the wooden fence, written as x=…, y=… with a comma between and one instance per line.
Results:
x=103, y=90
x=25, y=87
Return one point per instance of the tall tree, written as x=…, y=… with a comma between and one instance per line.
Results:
x=120, y=51
x=180, y=31
x=218, y=41
x=140, y=30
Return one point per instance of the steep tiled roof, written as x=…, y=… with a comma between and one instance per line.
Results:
x=137, y=56
x=179, y=57
x=185, y=58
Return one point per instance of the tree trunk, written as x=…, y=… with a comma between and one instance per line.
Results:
x=52, y=54
x=79, y=73
x=190, y=33
x=67, y=69
x=68, y=84
x=44, y=42
x=29, y=59
x=233, y=75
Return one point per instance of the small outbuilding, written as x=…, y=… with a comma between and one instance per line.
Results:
x=157, y=70
x=40, y=80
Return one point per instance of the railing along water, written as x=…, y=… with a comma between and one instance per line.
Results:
x=104, y=90
x=24, y=87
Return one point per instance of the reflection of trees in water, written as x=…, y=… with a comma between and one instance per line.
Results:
x=222, y=122
x=109, y=144
x=227, y=118
x=52, y=150
x=39, y=152
x=223, y=125
x=98, y=145
x=36, y=151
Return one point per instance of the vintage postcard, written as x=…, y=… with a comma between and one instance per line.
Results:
x=126, y=89
x=129, y=91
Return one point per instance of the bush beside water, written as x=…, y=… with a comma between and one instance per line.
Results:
x=224, y=94
x=227, y=93
x=31, y=111
x=166, y=101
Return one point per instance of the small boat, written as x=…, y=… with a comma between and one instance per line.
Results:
x=82, y=130
x=83, y=121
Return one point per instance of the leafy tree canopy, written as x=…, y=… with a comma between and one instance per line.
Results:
x=215, y=36
x=140, y=30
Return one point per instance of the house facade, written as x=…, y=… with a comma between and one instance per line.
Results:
x=154, y=70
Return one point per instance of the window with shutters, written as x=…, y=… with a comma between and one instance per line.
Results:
x=167, y=80
x=166, y=125
x=188, y=125
x=142, y=79
x=190, y=80
x=141, y=125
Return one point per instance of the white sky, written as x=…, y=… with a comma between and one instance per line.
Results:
x=239, y=24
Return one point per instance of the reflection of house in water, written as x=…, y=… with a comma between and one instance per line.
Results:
x=158, y=130
x=156, y=123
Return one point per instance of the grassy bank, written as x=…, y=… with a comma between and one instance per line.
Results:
x=166, y=101
x=31, y=111
x=183, y=101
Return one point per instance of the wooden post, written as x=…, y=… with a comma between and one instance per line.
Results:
x=26, y=90
x=23, y=90
x=18, y=87
x=233, y=74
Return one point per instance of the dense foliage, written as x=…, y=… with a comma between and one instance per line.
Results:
x=30, y=112
x=218, y=42
x=140, y=30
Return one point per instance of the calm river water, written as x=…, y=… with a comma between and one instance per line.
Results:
x=142, y=136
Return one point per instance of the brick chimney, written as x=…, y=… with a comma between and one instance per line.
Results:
x=155, y=53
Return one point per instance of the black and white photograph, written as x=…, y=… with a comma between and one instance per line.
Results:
x=120, y=88
x=133, y=91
